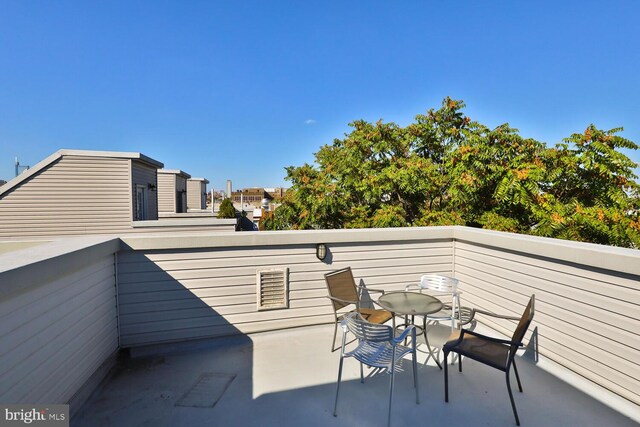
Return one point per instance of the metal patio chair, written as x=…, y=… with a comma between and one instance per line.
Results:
x=346, y=297
x=439, y=286
x=442, y=286
x=494, y=352
x=378, y=347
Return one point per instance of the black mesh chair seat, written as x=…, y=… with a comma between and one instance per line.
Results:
x=494, y=352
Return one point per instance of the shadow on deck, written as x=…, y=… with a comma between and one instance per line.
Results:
x=287, y=378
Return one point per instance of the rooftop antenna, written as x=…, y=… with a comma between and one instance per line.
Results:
x=20, y=169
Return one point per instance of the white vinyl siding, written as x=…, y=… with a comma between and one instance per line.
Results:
x=196, y=195
x=172, y=295
x=586, y=319
x=166, y=193
x=74, y=195
x=55, y=335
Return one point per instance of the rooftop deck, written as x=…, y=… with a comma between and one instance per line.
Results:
x=69, y=307
x=288, y=378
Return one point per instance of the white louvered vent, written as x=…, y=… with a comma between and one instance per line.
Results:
x=272, y=288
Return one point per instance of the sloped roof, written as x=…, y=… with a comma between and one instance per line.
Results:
x=85, y=153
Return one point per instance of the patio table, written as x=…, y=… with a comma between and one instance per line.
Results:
x=411, y=304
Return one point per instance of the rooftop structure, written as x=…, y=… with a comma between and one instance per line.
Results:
x=82, y=192
x=172, y=191
x=196, y=194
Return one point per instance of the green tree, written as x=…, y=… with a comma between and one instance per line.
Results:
x=446, y=169
x=591, y=194
x=495, y=179
x=380, y=174
x=226, y=209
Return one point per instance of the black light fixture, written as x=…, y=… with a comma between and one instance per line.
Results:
x=321, y=251
x=151, y=187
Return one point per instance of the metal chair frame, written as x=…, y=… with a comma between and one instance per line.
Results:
x=378, y=347
x=514, y=344
x=441, y=285
x=340, y=303
x=438, y=286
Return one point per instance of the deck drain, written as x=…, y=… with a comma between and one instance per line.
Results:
x=207, y=390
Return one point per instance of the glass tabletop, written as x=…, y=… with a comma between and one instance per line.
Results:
x=410, y=303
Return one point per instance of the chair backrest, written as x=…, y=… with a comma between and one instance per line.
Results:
x=439, y=283
x=363, y=330
x=525, y=321
x=341, y=284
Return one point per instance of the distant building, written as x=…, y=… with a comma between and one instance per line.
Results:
x=276, y=193
x=255, y=197
x=172, y=191
x=249, y=196
x=196, y=194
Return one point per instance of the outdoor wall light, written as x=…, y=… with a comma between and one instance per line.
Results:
x=321, y=251
x=151, y=187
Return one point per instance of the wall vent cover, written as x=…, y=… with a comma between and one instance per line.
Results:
x=272, y=288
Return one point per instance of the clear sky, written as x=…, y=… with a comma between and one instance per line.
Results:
x=241, y=89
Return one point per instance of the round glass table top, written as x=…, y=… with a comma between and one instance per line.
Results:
x=410, y=303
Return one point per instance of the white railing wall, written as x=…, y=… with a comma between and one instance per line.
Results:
x=174, y=288
x=587, y=299
x=59, y=321
x=57, y=318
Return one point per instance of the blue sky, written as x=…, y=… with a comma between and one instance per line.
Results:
x=241, y=89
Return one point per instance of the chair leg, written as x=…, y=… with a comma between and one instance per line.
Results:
x=335, y=333
x=459, y=362
x=415, y=375
x=361, y=373
x=393, y=369
x=515, y=369
x=513, y=403
x=446, y=376
x=335, y=406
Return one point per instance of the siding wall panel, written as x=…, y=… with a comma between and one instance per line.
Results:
x=172, y=295
x=54, y=336
x=88, y=190
x=587, y=318
x=166, y=193
x=196, y=194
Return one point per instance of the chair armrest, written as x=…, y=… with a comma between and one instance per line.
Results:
x=365, y=288
x=409, y=330
x=488, y=313
x=488, y=338
x=344, y=301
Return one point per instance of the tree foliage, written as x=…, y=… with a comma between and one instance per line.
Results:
x=226, y=209
x=445, y=169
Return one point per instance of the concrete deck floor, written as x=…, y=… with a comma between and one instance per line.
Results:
x=288, y=378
